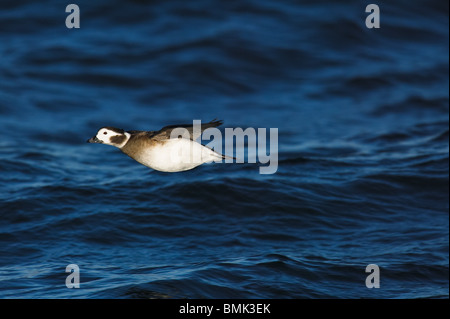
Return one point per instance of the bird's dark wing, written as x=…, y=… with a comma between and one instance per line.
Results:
x=165, y=132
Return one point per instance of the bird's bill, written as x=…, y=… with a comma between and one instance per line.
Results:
x=93, y=140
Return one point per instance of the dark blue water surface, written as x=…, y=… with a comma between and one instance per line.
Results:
x=363, y=148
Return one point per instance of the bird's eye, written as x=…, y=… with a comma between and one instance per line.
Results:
x=104, y=133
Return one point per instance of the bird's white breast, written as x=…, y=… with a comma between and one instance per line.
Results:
x=177, y=155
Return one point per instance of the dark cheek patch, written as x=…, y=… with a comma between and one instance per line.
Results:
x=118, y=139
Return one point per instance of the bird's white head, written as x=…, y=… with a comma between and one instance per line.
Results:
x=110, y=136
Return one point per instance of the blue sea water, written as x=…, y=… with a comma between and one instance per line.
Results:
x=363, y=149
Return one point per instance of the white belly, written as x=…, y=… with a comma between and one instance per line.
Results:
x=178, y=155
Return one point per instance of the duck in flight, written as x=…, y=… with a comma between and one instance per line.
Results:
x=160, y=150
